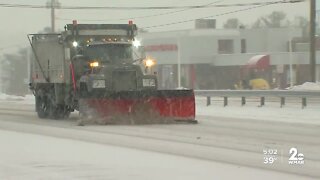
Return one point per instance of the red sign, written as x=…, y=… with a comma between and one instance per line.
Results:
x=161, y=47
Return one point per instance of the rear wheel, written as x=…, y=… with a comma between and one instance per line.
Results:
x=53, y=112
x=58, y=112
x=42, y=107
x=47, y=109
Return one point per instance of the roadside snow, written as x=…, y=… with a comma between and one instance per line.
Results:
x=306, y=86
x=11, y=97
x=27, y=99
x=290, y=113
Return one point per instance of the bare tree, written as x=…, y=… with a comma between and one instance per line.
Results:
x=232, y=23
x=14, y=72
x=276, y=19
x=302, y=22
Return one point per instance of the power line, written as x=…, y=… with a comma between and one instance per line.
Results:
x=222, y=14
x=141, y=17
x=143, y=8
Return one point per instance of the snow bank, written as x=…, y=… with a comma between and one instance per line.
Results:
x=290, y=113
x=27, y=99
x=306, y=86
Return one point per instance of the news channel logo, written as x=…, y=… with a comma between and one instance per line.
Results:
x=295, y=157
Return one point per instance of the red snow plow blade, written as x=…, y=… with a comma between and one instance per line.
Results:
x=141, y=106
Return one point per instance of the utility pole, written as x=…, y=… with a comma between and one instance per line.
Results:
x=290, y=58
x=53, y=16
x=312, y=41
x=53, y=4
x=179, y=63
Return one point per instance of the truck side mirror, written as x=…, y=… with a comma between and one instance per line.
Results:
x=81, y=65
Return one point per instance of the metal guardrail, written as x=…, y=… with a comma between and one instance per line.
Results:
x=282, y=94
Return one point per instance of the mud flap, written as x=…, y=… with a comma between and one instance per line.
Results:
x=133, y=107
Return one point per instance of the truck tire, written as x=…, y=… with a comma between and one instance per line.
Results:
x=58, y=112
x=42, y=107
x=53, y=111
x=66, y=114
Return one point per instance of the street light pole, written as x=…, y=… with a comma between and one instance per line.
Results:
x=312, y=41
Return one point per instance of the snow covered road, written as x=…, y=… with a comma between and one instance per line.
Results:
x=57, y=158
x=216, y=139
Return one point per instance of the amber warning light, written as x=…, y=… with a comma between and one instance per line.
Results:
x=94, y=64
x=149, y=62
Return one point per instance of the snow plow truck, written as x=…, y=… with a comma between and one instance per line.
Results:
x=90, y=68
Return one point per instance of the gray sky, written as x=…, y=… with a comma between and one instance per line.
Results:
x=16, y=23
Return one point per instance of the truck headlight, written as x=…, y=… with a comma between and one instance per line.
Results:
x=148, y=82
x=99, y=83
x=75, y=44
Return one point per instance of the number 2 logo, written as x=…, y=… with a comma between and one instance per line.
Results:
x=294, y=156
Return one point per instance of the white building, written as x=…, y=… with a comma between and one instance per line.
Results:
x=218, y=58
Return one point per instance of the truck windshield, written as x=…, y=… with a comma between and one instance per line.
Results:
x=109, y=53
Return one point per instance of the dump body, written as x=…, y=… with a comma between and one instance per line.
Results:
x=90, y=68
x=51, y=59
